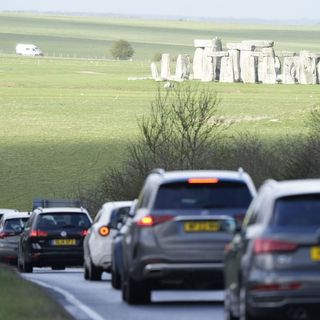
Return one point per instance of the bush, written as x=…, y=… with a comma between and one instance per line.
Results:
x=121, y=50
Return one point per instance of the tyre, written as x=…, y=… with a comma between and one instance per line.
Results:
x=27, y=267
x=135, y=292
x=115, y=278
x=86, y=272
x=94, y=273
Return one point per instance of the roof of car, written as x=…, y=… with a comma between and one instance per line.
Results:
x=117, y=204
x=168, y=176
x=15, y=215
x=60, y=209
x=293, y=187
x=2, y=210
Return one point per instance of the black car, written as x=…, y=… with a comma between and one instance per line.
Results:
x=181, y=223
x=272, y=265
x=53, y=237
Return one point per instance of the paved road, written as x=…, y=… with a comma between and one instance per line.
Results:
x=97, y=300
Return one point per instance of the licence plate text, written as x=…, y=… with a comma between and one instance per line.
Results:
x=64, y=242
x=208, y=226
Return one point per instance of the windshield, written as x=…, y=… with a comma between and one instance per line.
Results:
x=14, y=224
x=51, y=221
x=182, y=195
x=297, y=211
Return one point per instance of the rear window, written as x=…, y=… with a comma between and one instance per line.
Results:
x=51, y=221
x=297, y=211
x=182, y=195
x=15, y=224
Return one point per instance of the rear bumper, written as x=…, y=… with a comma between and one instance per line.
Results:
x=65, y=258
x=286, y=303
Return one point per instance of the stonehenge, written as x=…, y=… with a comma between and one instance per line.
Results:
x=248, y=61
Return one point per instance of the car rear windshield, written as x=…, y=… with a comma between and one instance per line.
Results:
x=183, y=195
x=15, y=224
x=51, y=221
x=297, y=211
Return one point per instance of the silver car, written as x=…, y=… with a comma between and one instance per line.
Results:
x=181, y=224
x=272, y=264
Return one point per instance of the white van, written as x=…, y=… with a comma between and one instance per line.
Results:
x=28, y=50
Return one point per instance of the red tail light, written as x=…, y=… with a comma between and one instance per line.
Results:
x=239, y=217
x=262, y=246
x=3, y=235
x=152, y=220
x=276, y=286
x=38, y=233
x=83, y=233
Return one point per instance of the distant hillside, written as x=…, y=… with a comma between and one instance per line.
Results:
x=91, y=36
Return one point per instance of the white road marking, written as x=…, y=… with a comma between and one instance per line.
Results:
x=72, y=300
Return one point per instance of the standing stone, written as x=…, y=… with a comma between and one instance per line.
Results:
x=269, y=75
x=318, y=70
x=207, y=69
x=289, y=72
x=235, y=56
x=165, y=66
x=248, y=67
x=154, y=71
x=307, y=68
x=198, y=63
x=277, y=64
x=182, y=67
x=260, y=68
x=227, y=70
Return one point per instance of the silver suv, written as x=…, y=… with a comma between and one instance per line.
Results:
x=272, y=265
x=182, y=221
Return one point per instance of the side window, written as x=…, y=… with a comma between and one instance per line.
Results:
x=29, y=222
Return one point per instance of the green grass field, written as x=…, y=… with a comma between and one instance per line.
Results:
x=64, y=121
x=20, y=299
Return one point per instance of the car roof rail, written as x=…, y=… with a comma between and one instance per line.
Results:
x=56, y=203
x=158, y=171
x=241, y=171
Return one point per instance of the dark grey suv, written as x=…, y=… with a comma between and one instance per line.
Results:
x=182, y=222
x=272, y=267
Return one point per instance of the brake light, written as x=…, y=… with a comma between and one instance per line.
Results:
x=104, y=231
x=38, y=233
x=3, y=235
x=276, y=286
x=203, y=180
x=152, y=220
x=83, y=233
x=262, y=246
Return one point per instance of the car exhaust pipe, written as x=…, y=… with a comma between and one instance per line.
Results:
x=297, y=313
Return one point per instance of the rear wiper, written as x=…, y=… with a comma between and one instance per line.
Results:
x=68, y=226
x=214, y=206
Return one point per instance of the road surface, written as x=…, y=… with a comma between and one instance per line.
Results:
x=96, y=300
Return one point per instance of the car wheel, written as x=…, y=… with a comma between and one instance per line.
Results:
x=115, y=280
x=86, y=272
x=135, y=292
x=27, y=267
x=94, y=273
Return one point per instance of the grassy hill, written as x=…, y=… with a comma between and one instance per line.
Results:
x=64, y=121
x=92, y=36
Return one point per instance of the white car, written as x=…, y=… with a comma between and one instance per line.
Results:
x=7, y=211
x=97, y=244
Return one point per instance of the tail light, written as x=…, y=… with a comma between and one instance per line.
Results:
x=4, y=234
x=275, y=287
x=104, y=231
x=262, y=246
x=152, y=220
x=38, y=233
x=83, y=233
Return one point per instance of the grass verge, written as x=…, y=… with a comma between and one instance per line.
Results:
x=20, y=299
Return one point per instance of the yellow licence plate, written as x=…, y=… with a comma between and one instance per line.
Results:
x=64, y=242
x=208, y=226
x=315, y=253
